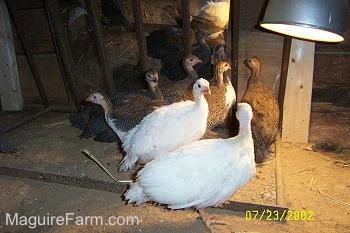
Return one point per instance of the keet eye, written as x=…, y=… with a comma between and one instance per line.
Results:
x=199, y=86
x=94, y=97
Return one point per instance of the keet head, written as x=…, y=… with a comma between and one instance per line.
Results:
x=201, y=86
x=244, y=113
x=96, y=98
x=190, y=60
x=253, y=63
x=218, y=54
x=152, y=77
x=202, y=34
x=223, y=66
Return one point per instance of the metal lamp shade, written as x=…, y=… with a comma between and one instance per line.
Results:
x=317, y=20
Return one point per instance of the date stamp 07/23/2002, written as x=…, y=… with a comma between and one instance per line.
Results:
x=278, y=215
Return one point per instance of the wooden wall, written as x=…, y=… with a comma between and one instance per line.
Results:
x=37, y=32
x=330, y=70
x=332, y=62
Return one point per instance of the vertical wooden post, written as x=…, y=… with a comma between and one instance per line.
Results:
x=136, y=7
x=284, y=73
x=185, y=8
x=297, y=99
x=234, y=17
x=10, y=88
x=234, y=26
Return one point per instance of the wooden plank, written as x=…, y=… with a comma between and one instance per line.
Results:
x=186, y=19
x=10, y=88
x=84, y=182
x=234, y=29
x=297, y=100
x=140, y=35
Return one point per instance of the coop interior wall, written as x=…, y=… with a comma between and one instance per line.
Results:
x=330, y=70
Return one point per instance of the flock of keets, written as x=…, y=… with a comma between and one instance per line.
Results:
x=169, y=130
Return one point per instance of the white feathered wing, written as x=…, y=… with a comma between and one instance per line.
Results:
x=164, y=130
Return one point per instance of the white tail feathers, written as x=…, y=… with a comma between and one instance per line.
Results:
x=127, y=163
x=136, y=194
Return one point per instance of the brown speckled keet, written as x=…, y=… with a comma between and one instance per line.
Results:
x=265, y=110
x=221, y=99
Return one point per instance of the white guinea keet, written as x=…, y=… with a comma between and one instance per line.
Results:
x=200, y=174
x=163, y=130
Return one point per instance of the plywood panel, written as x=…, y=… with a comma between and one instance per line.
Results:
x=297, y=101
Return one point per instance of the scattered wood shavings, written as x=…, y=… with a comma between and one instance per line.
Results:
x=132, y=45
x=308, y=148
x=108, y=44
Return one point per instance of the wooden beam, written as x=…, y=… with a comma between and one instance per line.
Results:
x=284, y=73
x=234, y=19
x=297, y=99
x=185, y=8
x=10, y=88
x=143, y=59
x=234, y=30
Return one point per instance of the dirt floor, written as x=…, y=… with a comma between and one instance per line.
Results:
x=311, y=180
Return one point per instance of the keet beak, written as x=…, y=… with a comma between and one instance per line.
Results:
x=207, y=91
x=199, y=60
